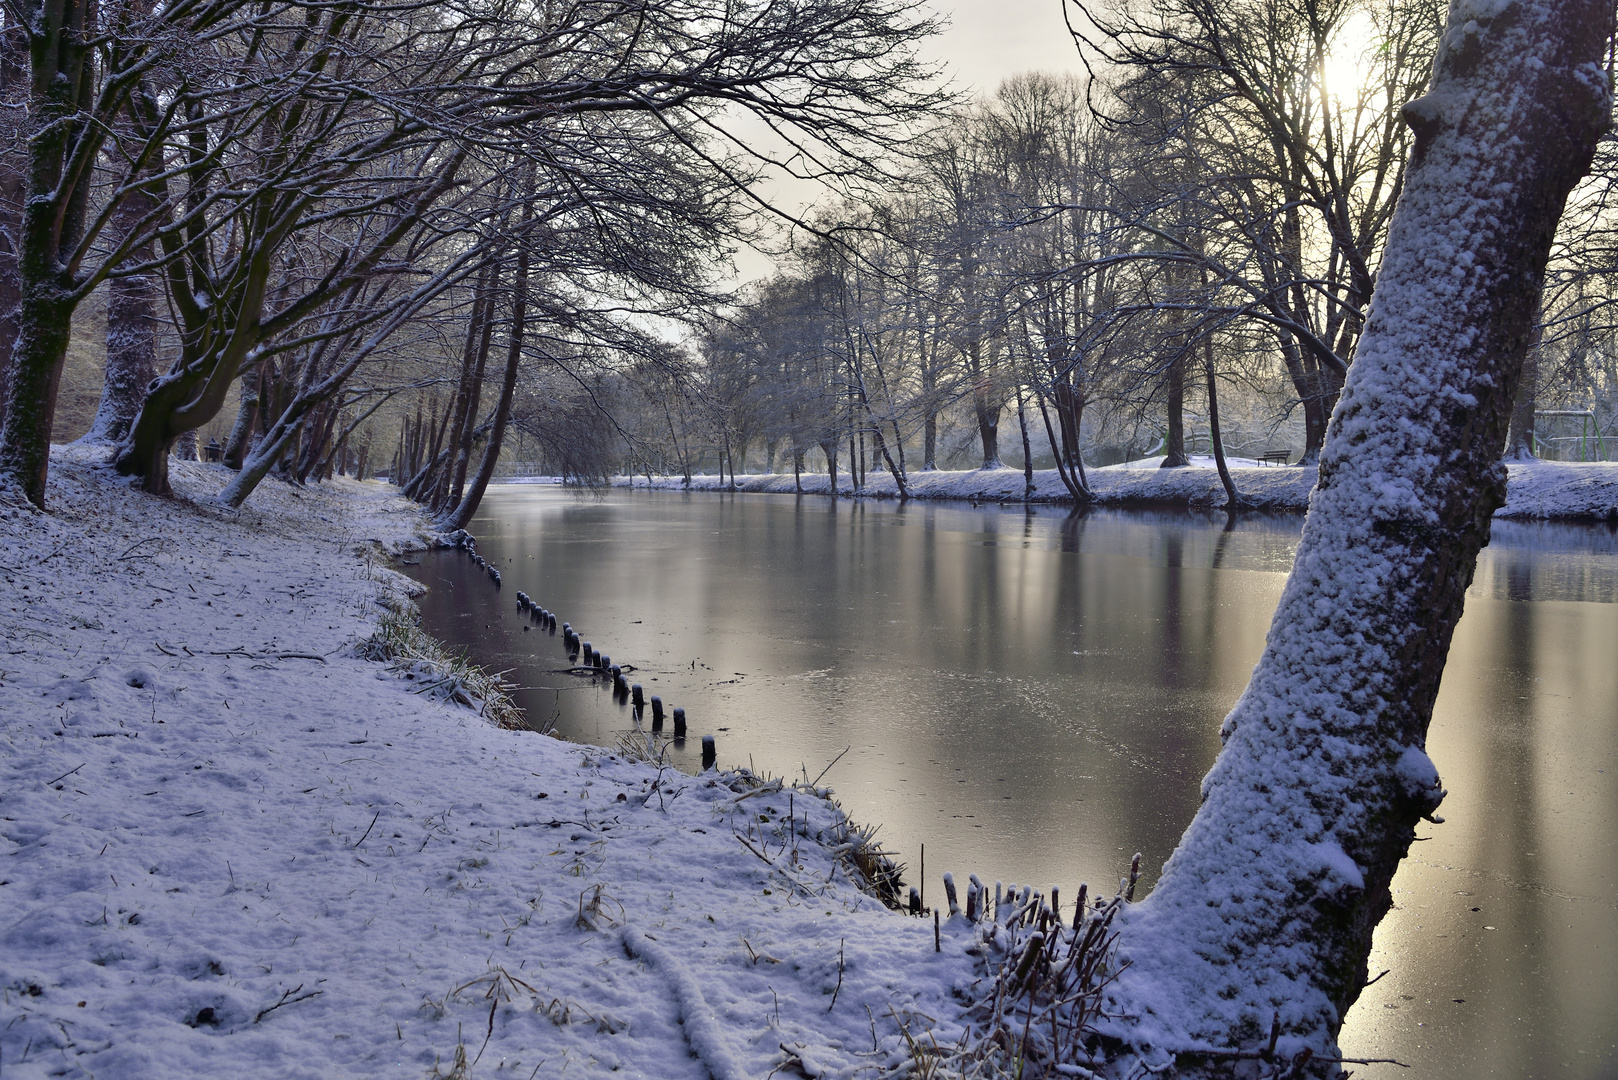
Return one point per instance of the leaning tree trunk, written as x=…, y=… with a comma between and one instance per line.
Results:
x=1268, y=905
x=461, y=515
x=1216, y=439
x=247, y=412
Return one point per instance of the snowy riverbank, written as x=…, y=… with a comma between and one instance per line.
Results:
x=228, y=846
x=1536, y=490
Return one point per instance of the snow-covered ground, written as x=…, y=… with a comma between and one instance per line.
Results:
x=1540, y=489
x=230, y=847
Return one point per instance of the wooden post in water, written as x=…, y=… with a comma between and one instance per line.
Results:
x=639, y=697
x=709, y=754
x=915, y=901
x=679, y=723
x=657, y=713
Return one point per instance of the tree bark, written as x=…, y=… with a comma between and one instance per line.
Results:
x=13, y=85
x=463, y=452
x=60, y=87
x=988, y=417
x=241, y=433
x=1217, y=441
x=462, y=514
x=1520, y=440
x=481, y=304
x=1027, y=450
x=131, y=331
x=1174, y=437
x=1267, y=907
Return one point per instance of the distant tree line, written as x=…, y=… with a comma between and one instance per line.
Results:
x=386, y=237
x=1083, y=259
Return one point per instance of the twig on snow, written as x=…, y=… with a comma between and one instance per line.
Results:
x=139, y=543
x=67, y=774
x=840, y=943
x=287, y=999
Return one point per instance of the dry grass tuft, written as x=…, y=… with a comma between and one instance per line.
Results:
x=1043, y=987
x=413, y=655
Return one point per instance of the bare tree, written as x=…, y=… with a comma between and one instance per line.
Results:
x=1262, y=920
x=1295, y=176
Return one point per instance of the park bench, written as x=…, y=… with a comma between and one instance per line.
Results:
x=1275, y=457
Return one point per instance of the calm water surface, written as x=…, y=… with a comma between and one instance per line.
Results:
x=1035, y=697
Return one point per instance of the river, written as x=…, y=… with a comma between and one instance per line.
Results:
x=1035, y=696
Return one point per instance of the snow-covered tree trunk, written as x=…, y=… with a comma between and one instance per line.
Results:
x=131, y=332
x=13, y=84
x=1268, y=905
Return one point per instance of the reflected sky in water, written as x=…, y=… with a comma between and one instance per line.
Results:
x=1035, y=696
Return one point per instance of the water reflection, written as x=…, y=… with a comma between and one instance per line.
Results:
x=1035, y=695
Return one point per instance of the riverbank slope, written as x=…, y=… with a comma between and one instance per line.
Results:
x=1537, y=490
x=231, y=846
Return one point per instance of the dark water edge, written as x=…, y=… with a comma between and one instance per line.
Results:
x=1035, y=695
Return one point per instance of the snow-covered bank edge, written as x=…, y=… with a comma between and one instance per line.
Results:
x=1539, y=490
x=228, y=843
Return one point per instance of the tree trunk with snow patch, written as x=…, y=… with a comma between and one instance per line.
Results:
x=1269, y=902
x=131, y=331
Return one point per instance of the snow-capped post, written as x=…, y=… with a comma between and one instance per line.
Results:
x=915, y=900
x=1270, y=900
x=679, y=723
x=949, y=895
x=710, y=754
x=637, y=697
x=657, y=713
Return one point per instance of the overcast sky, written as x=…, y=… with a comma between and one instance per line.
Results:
x=991, y=39
x=987, y=41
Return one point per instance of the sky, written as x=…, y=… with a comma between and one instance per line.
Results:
x=986, y=41
x=991, y=39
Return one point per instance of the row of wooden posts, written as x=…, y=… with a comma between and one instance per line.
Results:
x=601, y=664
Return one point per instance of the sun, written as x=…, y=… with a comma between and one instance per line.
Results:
x=1351, y=57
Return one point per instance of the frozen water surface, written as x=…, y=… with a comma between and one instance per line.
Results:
x=1035, y=696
